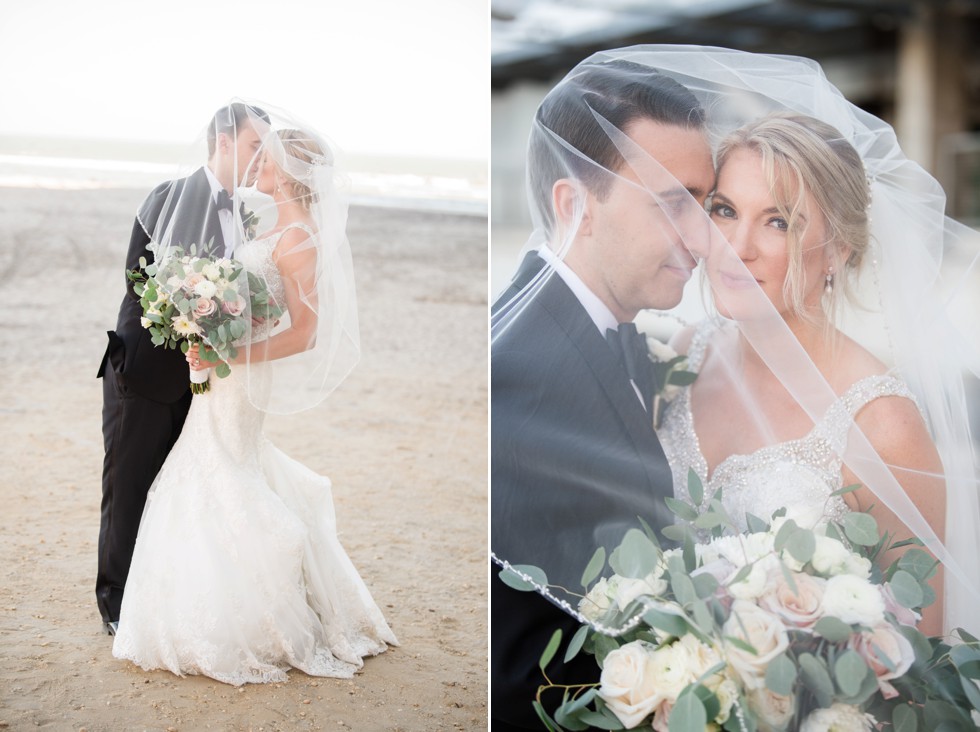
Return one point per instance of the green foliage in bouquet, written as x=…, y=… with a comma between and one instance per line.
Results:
x=779, y=628
x=199, y=299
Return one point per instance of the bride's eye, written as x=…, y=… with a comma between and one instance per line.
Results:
x=723, y=210
x=778, y=222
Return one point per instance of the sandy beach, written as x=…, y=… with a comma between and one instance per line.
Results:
x=404, y=441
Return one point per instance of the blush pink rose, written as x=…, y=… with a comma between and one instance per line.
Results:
x=890, y=643
x=802, y=608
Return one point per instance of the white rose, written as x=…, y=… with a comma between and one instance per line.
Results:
x=830, y=556
x=774, y=711
x=802, y=608
x=628, y=589
x=205, y=288
x=672, y=668
x=886, y=640
x=853, y=599
x=763, y=631
x=192, y=281
x=758, y=581
x=727, y=694
x=659, y=350
x=858, y=566
x=627, y=684
x=145, y=322
x=596, y=601
x=838, y=718
x=212, y=271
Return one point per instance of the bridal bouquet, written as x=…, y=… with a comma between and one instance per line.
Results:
x=779, y=628
x=194, y=299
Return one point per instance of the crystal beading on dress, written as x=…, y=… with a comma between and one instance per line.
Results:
x=798, y=474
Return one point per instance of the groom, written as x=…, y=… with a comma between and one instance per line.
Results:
x=145, y=389
x=574, y=458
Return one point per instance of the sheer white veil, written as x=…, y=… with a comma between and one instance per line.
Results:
x=913, y=309
x=317, y=314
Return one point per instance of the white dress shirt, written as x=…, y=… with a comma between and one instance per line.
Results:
x=601, y=315
x=225, y=217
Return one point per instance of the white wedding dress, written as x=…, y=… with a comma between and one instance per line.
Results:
x=238, y=573
x=799, y=475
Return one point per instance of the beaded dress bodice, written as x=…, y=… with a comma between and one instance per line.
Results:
x=256, y=257
x=799, y=474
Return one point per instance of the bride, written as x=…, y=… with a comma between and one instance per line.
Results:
x=791, y=201
x=238, y=573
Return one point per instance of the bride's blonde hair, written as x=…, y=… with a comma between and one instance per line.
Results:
x=803, y=155
x=303, y=148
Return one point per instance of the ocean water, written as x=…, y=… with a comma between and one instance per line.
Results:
x=451, y=186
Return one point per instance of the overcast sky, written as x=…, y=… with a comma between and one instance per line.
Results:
x=408, y=77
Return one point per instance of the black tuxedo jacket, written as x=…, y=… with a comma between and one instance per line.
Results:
x=155, y=373
x=574, y=462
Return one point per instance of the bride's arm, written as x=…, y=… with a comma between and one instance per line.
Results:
x=898, y=433
x=296, y=260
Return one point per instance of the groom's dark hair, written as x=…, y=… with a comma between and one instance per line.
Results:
x=567, y=139
x=229, y=118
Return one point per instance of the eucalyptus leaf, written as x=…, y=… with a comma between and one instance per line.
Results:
x=516, y=582
x=705, y=585
x=906, y=589
x=576, y=643
x=667, y=622
x=635, y=557
x=918, y=563
x=849, y=672
x=676, y=532
x=781, y=675
x=801, y=545
x=570, y=720
x=904, y=719
x=222, y=370
x=755, y=524
x=971, y=691
x=550, y=650
x=683, y=588
x=547, y=721
x=709, y=520
x=833, y=629
x=681, y=509
x=695, y=488
x=786, y=531
x=688, y=714
x=846, y=489
x=920, y=644
x=601, y=720
x=682, y=378
x=604, y=645
x=814, y=675
x=861, y=528
x=594, y=566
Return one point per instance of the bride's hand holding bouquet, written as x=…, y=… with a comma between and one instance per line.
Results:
x=189, y=300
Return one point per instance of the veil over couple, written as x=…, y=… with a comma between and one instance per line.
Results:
x=824, y=336
x=233, y=569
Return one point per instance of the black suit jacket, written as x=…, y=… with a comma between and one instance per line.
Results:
x=157, y=373
x=574, y=462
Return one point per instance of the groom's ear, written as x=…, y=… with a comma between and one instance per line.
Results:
x=569, y=200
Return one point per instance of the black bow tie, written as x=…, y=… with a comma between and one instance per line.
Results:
x=223, y=200
x=630, y=347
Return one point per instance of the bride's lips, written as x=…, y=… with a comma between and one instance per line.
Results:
x=737, y=282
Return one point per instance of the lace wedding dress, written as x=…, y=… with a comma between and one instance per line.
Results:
x=799, y=475
x=238, y=573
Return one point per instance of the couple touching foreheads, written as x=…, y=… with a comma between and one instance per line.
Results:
x=826, y=358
